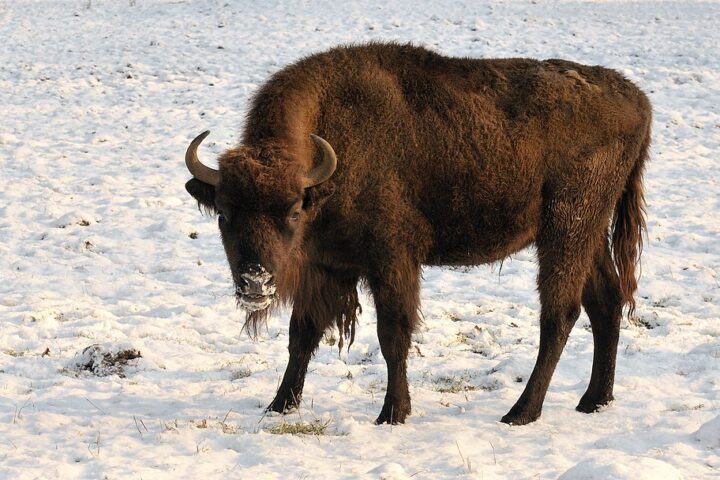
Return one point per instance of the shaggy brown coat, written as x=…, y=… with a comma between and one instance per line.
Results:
x=441, y=161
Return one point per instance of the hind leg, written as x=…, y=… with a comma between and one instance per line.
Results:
x=565, y=251
x=602, y=300
x=559, y=312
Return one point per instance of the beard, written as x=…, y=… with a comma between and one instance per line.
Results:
x=257, y=311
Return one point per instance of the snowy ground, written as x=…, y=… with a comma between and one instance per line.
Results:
x=97, y=246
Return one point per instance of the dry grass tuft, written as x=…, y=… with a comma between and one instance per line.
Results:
x=316, y=427
x=446, y=384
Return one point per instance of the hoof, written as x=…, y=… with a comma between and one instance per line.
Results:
x=520, y=417
x=393, y=414
x=589, y=405
x=392, y=420
x=282, y=404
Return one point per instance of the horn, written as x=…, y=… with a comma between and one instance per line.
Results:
x=325, y=170
x=198, y=170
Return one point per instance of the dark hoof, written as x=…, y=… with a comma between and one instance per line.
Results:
x=589, y=405
x=520, y=417
x=282, y=404
x=393, y=414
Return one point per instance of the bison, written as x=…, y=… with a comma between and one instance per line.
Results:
x=365, y=162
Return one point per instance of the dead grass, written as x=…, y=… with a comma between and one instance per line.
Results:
x=461, y=383
x=226, y=428
x=446, y=384
x=239, y=373
x=640, y=322
x=329, y=338
x=316, y=427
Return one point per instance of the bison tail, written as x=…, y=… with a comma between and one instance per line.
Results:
x=628, y=227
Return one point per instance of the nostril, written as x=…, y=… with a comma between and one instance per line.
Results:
x=242, y=284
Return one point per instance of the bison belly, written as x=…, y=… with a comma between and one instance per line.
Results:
x=473, y=228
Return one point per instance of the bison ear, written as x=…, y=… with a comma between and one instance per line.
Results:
x=204, y=194
x=316, y=196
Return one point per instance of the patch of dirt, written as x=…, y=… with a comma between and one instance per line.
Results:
x=102, y=361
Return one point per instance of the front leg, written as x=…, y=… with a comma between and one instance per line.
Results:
x=396, y=302
x=304, y=339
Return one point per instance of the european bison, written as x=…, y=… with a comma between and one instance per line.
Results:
x=440, y=161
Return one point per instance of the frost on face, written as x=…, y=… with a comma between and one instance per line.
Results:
x=252, y=304
x=257, y=290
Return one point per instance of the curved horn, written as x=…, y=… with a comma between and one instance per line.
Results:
x=198, y=170
x=325, y=170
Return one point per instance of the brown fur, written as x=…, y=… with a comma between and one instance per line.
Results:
x=441, y=161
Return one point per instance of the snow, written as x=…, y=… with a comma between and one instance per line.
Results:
x=615, y=465
x=100, y=99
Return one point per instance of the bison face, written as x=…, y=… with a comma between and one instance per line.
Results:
x=262, y=238
x=264, y=199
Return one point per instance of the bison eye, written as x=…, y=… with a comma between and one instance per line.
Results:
x=221, y=218
x=295, y=216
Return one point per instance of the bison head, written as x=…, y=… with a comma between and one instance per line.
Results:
x=263, y=199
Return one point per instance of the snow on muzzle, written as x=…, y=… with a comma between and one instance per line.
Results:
x=256, y=288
